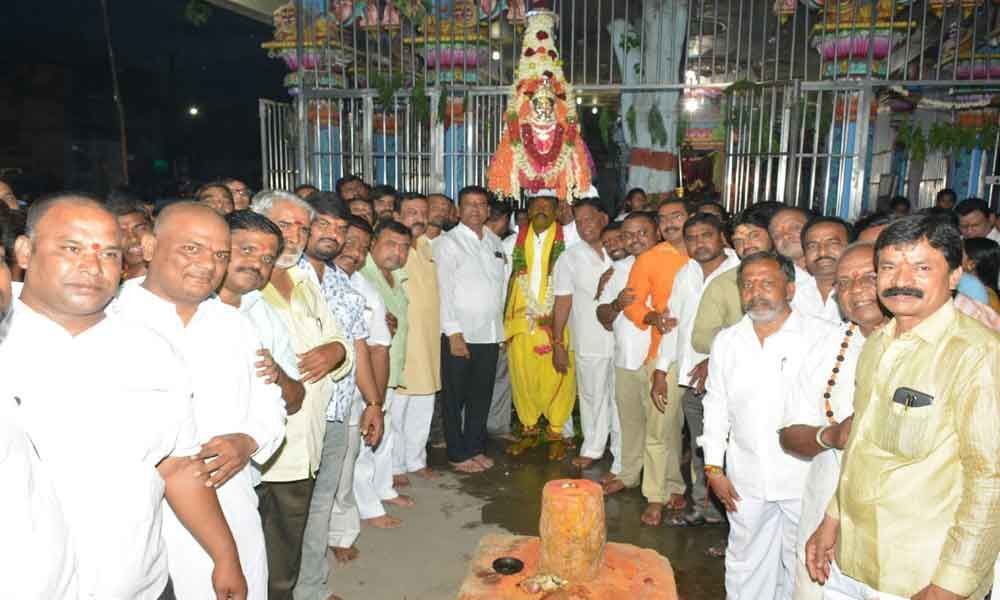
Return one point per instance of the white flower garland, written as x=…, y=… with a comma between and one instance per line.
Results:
x=534, y=310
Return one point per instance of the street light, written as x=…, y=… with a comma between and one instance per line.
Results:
x=193, y=111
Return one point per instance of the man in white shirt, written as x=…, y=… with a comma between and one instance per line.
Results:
x=107, y=400
x=632, y=375
x=239, y=416
x=677, y=359
x=809, y=430
x=752, y=364
x=317, y=434
x=470, y=268
x=823, y=241
x=256, y=243
x=575, y=281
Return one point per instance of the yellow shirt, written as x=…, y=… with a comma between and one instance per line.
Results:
x=919, y=493
x=310, y=324
x=422, y=368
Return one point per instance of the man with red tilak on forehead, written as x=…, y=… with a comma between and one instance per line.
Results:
x=108, y=401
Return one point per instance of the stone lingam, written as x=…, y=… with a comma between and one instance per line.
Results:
x=571, y=560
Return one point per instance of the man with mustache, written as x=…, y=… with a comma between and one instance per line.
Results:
x=350, y=188
x=632, y=372
x=240, y=416
x=256, y=244
x=134, y=223
x=440, y=215
x=370, y=485
x=413, y=404
x=325, y=357
x=817, y=415
x=751, y=365
x=471, y=282
x=651, y=280
x=611, y=239
x=914, y=515
x=823, y=241
x=673, y=393
x=785, y=229
x=383, y=269
x=384, y=199
x=538, y=389
x=575, y=281
x=326, y=238
x=216, y=195
x=239, y=191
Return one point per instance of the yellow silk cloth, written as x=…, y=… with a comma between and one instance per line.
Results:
x=919, y=493
x=538, y=389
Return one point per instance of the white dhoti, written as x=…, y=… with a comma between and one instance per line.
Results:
x=760, y=557
x=191, y=567
x=411, y=418
x=345, y=521
x=595, y=386
x=373, y=470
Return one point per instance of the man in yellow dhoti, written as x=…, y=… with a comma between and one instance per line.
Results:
x=539, y=390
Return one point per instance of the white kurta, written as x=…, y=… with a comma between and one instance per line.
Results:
x=119, y=394
x=631, y=343
x=804, y=405
x=685, y=296
x=219, y=348
x=577, y=273
x=744, y=409
x=809, y=301
x=37, y=559
x=471, y=284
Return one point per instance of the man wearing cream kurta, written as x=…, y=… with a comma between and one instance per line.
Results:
x=422, y=370
x=915, y=514
x=324, y=358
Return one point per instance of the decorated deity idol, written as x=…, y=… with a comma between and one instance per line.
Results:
x=541, y=146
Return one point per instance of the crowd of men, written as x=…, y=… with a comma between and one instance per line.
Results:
x=262, y=374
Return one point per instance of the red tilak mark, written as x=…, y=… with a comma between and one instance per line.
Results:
x=95, y=247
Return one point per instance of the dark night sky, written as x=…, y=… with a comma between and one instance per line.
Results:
x=166, y=64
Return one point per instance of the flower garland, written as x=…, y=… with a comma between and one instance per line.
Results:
x=538, y=312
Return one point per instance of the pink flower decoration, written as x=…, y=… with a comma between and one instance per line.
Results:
x=542, y=350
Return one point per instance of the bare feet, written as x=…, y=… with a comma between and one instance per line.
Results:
x=400, y=481
x=401, y=500
x=527, y=442
x=383, y=522
x=613, y=486
x=333, y=597
x=485, y=461
x=676, y=502
x=557, y=450
x=426, y=473
x=653, y=515
x=468, y=466
x=582, y=462
x=345, y=555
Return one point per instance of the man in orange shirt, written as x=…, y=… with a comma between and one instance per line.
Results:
x=651, y=280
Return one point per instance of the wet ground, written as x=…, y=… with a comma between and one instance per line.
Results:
x=426, y=558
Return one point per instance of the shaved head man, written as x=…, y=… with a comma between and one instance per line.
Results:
x=73, y=254
x=238, y=415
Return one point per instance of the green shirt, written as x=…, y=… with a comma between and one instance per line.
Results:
x=719, y=308
x=396, y=303
x=919, y=493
